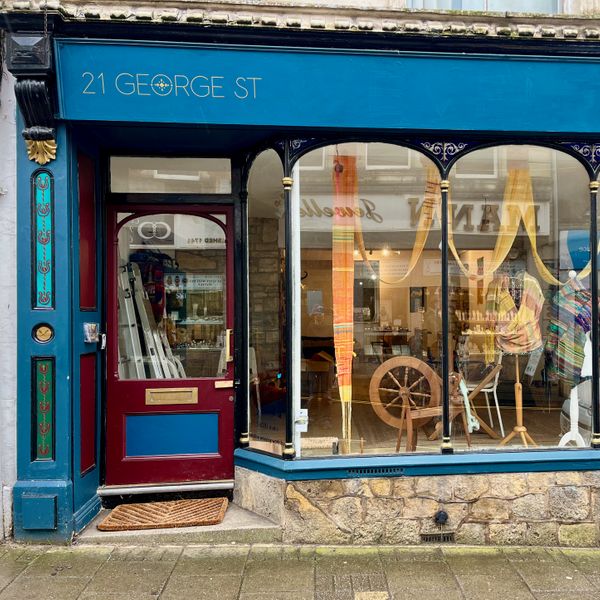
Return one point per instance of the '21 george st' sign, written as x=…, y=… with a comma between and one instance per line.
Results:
x=178, y=84
x=232, y=85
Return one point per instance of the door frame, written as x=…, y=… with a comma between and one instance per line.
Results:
x=175, y=203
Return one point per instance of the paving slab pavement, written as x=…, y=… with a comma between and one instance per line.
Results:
x=285, y=572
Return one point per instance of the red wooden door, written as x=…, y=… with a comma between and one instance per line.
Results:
x=169, y=407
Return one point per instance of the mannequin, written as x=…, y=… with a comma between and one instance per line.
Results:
x=514, y=306
x=584, y=387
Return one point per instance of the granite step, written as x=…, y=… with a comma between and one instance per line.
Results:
x=239, y=526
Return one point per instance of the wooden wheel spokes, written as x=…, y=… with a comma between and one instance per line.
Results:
x=382, y=389
x=417, y=382
x=420, y=394
x=395, y=380
x=389, y=404
x=415, y=386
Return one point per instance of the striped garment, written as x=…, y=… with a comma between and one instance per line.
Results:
x=570, y=321
x=515, y=330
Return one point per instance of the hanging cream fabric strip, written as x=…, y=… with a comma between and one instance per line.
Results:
x=517, y=207
x=429, y=209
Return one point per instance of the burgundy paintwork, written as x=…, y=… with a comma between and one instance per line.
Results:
x=87, y=410
x=87, y=233
x=127, y=397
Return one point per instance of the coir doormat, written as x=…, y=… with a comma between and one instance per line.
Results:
x=158, y=515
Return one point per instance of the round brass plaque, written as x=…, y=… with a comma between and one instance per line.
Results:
x=43, y=333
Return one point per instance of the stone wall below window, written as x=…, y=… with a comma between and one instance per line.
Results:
x=553, y=508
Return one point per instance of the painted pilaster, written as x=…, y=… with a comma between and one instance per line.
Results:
x=8, y=300
x=43, y=494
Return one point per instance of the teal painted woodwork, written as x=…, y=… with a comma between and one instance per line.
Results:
x=39, y=511
x=42, y=510
x=86, y=465
x=228, y=85
x=48, y=474
x=464, y=463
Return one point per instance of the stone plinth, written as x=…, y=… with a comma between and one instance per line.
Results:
x=553, y=508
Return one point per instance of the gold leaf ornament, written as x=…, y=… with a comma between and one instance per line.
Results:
x=41, y=151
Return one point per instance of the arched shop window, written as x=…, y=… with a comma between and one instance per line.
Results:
x=370, y=303
x=266, y=302
x=519, y=299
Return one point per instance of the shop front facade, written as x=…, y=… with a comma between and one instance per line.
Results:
x=343, y=267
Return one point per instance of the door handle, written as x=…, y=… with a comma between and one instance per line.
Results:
x=228, y=355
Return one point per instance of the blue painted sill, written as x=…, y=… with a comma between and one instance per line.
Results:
x=517, y=461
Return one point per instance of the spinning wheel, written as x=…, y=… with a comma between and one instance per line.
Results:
x=405, y=393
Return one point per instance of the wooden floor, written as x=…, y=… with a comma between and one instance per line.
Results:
x=370, y=435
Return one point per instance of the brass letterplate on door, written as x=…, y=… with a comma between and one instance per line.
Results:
x=155, y=396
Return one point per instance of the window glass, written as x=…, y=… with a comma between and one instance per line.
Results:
x=171, y=286
x=370, y=276
x=267, y=311
x=519, y=299
x=138, y=174
x=531, y=6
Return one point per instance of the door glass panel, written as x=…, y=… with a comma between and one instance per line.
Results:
x=171, y=286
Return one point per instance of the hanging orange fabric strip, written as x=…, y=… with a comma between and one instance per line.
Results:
x=346, y=195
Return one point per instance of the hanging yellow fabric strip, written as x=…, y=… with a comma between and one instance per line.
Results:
x=517, y=207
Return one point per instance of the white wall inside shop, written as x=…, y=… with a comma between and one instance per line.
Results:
x=8, y=299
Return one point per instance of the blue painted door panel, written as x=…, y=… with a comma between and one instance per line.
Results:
x=171, y=435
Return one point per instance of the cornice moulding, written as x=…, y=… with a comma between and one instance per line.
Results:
x=343, y=15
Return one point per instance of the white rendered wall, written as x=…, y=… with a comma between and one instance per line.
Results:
x=8, y=300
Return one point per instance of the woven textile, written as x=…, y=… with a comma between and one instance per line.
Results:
x=570, y=321
x=346, y=195
x=515, y=330
x=158, y=515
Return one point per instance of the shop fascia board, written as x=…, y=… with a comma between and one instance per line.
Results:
x=412, y=465
x=345, y=15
